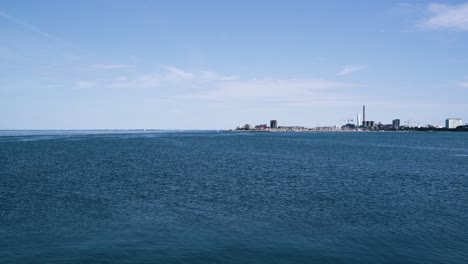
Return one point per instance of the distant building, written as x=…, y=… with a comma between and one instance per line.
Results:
x=245, y=127
x=367, y=123
x=396, y=124
x=348, y=126
x=292, y=128
x=262, y=127
x=385, y=126
x=452, y=123
x=273, y=124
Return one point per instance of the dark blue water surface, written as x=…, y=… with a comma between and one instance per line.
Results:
x=232, y=197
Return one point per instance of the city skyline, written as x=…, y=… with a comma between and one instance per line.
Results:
x=215, y=65
x=362, y=122
x=451, y=124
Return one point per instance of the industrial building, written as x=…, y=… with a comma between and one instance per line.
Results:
x=366, y=124
x=273, y=124
x=452, y=123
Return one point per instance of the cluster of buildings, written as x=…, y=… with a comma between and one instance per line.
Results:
x=366, y=125
x=371, y=125
x=273, y=127
x=451, y=124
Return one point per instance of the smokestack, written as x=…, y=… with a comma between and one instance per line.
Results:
x=363, y=114
x=358, y=123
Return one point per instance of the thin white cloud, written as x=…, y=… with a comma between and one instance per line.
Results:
x=208, y=85
x=463, y=84
x=348, y=69
x=26, y=25
x=444, y=16
x=85, y=84
x=405, y=7
x=108, y=66
x=142, y=81
x=171, y=76
x=122, y=82
x=176, y=73
x=268, y=89
x=212, y=76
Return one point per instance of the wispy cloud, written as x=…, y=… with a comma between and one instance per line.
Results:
x=108, y=66
x=443, y=16
x=84, y=85
x=463, y=84
x=348, y=69
x=176, y=73
x=170, y=76
x=146, y=81
x=212, y=76
x=211, y=86
x=26, y=25
x=405, y=7
x=282, y=89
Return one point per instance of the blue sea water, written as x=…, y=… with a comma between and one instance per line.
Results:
x=233, y=197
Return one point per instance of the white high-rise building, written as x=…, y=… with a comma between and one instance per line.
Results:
x=452, y=123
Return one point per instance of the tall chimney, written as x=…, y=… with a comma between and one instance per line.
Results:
x=363, y=114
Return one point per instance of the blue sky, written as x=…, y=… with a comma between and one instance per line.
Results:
x=220, y=64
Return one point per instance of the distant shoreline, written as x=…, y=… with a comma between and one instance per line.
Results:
x=352, y=131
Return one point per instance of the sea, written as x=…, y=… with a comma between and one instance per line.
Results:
x=233, y=197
